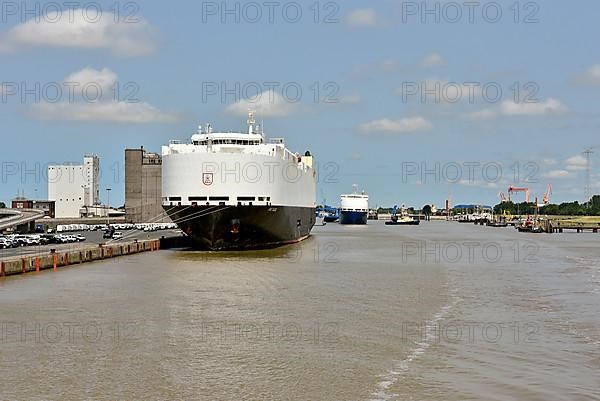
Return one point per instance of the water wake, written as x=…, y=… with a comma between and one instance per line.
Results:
x=382, y=393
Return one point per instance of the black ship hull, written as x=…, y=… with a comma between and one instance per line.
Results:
x=242, y=227
x=356, y=218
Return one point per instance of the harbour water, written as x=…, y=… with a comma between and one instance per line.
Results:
x=443, y=311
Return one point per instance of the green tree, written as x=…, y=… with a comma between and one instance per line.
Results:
x=427, y=212
x=2, y=205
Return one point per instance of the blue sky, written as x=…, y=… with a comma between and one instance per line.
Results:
x=363, y=57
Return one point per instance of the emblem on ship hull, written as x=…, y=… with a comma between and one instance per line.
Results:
x=207, y=179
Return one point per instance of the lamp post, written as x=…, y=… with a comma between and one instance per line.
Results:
x=85, y=201
x=108, y=206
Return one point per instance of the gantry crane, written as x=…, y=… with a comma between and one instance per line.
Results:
x=512, y=189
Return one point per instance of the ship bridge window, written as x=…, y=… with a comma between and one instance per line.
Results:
x=246, y=198
x=197, y=198
x=175, y=199
x=219, y=198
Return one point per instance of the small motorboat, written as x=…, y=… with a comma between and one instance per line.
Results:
x=403, y=220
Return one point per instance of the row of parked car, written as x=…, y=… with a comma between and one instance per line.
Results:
x=15, y=241
x=125, y=226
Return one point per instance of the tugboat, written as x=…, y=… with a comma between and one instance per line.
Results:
x=320, y=218
x=330, y=214
x=403, y=220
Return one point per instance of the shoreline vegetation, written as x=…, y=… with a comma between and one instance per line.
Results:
x=567, y=210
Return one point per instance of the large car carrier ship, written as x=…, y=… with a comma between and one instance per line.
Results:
x=236, y=190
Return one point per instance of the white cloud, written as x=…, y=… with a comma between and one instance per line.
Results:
x=433, y=60
x=362, y=17
x=105, y=78
x=118, y=112
x=80, y=31
x=401, y=126
x=269, y=104
x=549, y=107
x=104, y=108
x=558, y=174
x=576, y=163
x=589, y=77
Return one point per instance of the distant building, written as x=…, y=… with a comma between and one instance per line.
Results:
x=143, y=181
x=72, y=186
x=48, y=207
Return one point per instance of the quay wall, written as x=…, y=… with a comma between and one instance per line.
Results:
x=55, y=260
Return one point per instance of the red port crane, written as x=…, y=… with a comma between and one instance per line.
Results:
x=512, y=189
x=546, y=198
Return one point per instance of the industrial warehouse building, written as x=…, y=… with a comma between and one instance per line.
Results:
x=43, y=205
x=74, y=186
x=143, y=182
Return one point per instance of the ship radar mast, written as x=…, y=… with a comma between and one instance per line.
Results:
x=251, y=122
x=209, y=139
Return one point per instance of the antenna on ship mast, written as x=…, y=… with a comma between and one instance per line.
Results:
x=209, y=140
